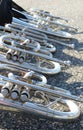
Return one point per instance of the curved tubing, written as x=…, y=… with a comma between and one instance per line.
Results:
x=41, y=110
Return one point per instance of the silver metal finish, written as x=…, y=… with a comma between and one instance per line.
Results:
x=43, y=29
x=53, y=96
x=43, y=13
x=30, y=107
x=55, y=67
x=32, y=35
x=20, y=46
x=17, y=22
x=17, y=47
x=28, y=75
x=36, y=15
x=49, y=18
x=24, y=49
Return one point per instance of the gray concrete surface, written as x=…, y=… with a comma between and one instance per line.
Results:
x=70, y=78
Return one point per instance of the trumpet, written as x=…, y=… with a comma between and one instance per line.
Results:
x=44, y=29
x=17, y=22
x=28, y=76
x=37, y=99
x=34, y=15
x=18, y=46
x=45, y=16
x=14, y=73
x=16, y=49
x=31, y=34
x=46, y=67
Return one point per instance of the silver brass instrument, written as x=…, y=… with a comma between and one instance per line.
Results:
x=13, y=72
x=24, y=25
x=25, y=50
x=45, y=14
x=21, y=44
x=28, y=76
x=47, y=17
x=38, y=12
x=31, y=34
x=34, y=15
x=15, y=52
x=43, y=29
x=54, y=67
x=37, y=99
